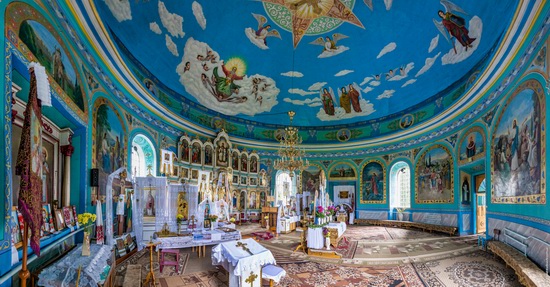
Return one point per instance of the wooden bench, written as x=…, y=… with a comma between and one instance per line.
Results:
x=408, y=224
x=529, y=274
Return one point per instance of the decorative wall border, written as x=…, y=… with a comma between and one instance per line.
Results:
x=522, y=217
x=8, y=184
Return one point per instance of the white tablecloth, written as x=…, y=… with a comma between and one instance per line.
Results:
x=315, y=238
x=341, y=226
x=198, y=239
x=228, y=253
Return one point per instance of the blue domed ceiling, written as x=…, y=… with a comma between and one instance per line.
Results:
x=335, y=62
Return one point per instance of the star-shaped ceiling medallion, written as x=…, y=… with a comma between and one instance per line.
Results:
x=299, y=15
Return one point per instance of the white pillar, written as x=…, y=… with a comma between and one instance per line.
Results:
x=67, y=150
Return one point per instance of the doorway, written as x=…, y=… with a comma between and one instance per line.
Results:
x=481, y=204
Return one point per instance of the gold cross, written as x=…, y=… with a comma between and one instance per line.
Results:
x=251, y=278
x=244, y=247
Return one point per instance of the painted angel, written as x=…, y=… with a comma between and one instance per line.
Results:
x=454, y=25
x=329, y=45
x=259, y=36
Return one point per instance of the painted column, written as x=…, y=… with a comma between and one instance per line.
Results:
x=67, y=150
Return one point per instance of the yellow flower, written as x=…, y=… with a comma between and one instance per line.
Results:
x=179, y=216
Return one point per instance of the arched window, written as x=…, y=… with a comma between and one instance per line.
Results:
x=284, y=188
x=143, y=156
x=400, y=186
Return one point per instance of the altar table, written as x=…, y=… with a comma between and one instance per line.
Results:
x=316, y=240
x=244, y=267
x=198, y=238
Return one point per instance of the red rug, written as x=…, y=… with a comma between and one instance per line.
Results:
x=263, y=235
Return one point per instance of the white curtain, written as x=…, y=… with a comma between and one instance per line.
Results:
x=145, y=185
x=192, y=199
x=167, y=207
x=109, y=206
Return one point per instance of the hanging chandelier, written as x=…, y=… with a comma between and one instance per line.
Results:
x=290, y=153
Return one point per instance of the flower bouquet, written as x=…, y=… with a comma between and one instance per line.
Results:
x=232, y=220
x=213, y=218
x=320, y=212
x=86, y=219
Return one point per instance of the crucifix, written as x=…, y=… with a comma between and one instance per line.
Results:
x=244, y=247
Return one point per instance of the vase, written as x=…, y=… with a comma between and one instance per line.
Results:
x=86, y=244
x=327, y=242
x=400, y=216
x=179, y=228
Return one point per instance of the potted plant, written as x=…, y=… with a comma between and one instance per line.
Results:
x=213, y=220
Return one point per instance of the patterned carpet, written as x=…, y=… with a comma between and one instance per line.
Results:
x=478, y=269
x=142, y=258
x=211, y=278
x=399, y=258
x=413, y=250
x=313, y=274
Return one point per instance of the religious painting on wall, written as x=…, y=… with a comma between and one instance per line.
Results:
x=253, y=163
x=48, y=49
x=196, y=153
x=472, y=145
x=185, y=150
x=310, y=178
x=252, y=200
x=208, y=152
x=109, y=141
x=342, y=171
x=244, y=162
x=373, y=182
x=222, y=153
x=235, y=160
x=434, y=176
x=465, y=188
x=518, y=161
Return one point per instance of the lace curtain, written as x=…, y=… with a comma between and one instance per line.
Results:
x=109, y=206
x=192, y=199
x=146, y=190
x=167, y=208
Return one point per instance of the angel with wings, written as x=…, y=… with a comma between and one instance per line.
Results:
x=329, y=45
x=259, y=36
x=453, y=24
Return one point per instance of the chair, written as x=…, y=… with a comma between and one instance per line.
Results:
x=164, y=262
x=273, y=273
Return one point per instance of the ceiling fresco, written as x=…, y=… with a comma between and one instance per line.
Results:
x=336, y=62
